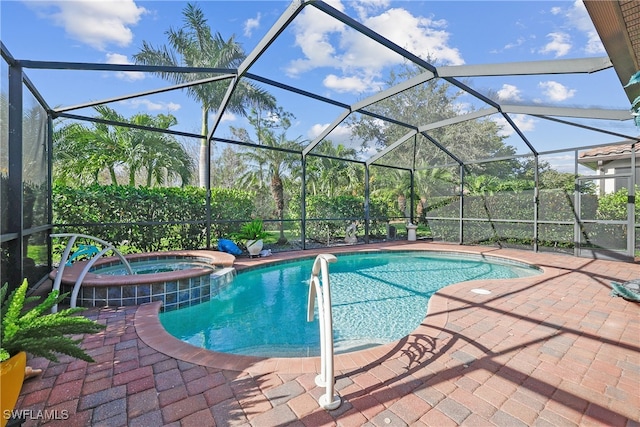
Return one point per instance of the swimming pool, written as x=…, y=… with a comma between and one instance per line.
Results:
x=377, y=298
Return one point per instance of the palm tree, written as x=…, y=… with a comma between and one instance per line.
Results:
x=272, y=164
x=81, y=152
x=333, y=177
x=194, y=45
x=160, y=155
x=392, y=184
x=71, y=156
x=434, y=182
x=480, y=185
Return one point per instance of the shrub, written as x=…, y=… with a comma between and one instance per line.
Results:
x=38, y=333
x=141, y=219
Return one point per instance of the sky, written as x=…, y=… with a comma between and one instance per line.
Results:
x=320, y=55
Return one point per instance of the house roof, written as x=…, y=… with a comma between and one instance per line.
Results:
x=611, y=150
x=591, y=158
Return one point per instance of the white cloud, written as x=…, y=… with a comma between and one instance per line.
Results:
x=328, y=43
x=251, y=24
x=519, y=42
x=365, y=7
x=560, y=162
x=341, y=134
x=462, y=108
x=509, y=93
x=421, y=36
x=594, y=44
x=555, y=91
x=116, y=58
x=559, y=45
x=226, y=117
x=95, y=23
x=578, y=18
x=351, y=84
x=313, y=31
x=523, y=122
x=152, y=105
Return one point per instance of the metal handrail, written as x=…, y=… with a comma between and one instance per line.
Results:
x=322, y=290
x=64, y=261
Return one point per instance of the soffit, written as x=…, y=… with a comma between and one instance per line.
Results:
x=618, y=25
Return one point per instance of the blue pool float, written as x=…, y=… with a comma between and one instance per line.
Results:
x=226, y=245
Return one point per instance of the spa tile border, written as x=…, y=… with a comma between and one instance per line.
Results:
x=173, y=294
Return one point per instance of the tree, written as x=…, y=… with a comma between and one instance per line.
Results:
x=480, y=185
x=434, y=183
x=228, y=166
x=159, y=155
x=430, y=102
x=270, y=165
x=393, y=184
x=194, y=45
x=82, y=152
x=331, y=176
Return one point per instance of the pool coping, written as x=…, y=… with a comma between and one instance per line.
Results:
x=71, y=273
x=152, y=333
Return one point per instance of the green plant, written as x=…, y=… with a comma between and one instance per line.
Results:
x=37, y=330
x=613, y=206
x=121, y=214
x=253, y=230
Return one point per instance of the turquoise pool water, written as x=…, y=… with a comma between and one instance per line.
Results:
x=377, y=298
x=151, y=267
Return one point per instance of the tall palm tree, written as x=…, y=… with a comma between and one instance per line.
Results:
x=272, y=167
x=71, y=156
x=194, y=45
x=392, y=184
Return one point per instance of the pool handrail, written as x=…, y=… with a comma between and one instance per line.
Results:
x=322, y=290
x=65, y=257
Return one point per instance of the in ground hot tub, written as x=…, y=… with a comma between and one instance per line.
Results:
x=176, y=278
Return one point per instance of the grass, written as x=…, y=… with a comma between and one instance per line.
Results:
x=38, y=253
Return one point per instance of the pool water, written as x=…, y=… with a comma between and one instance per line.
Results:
x=151, y=267
x=376, y=298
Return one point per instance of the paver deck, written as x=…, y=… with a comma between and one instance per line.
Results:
x=549, y=350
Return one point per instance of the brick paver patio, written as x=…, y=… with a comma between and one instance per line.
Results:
x=550, y=350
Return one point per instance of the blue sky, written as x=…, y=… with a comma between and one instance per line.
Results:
x=318, y=54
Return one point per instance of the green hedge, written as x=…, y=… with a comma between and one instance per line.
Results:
x=114, y=214
x=555, y=206
x=328, y=217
